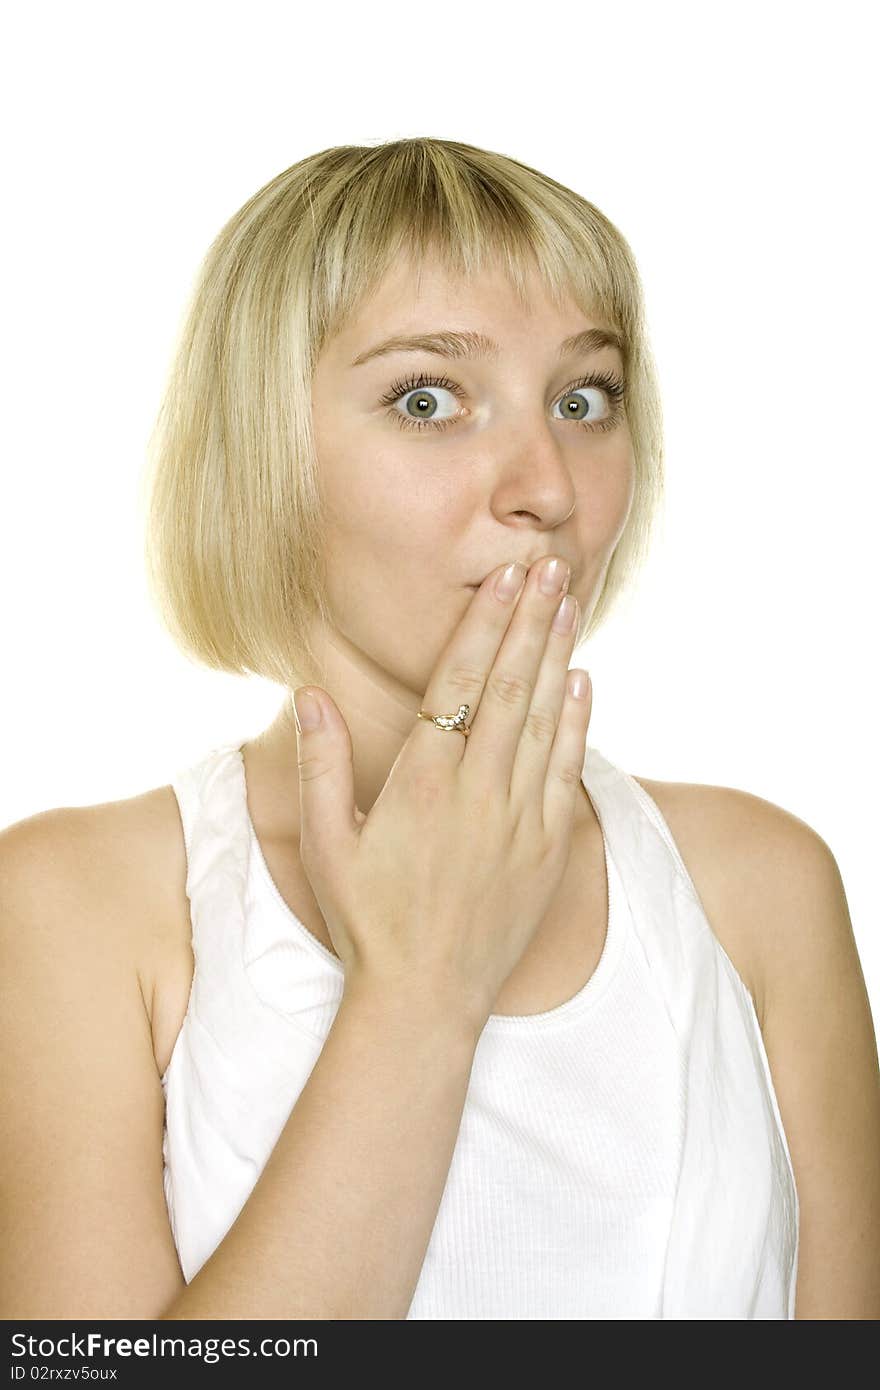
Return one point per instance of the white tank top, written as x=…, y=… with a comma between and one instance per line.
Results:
x=619, y=1156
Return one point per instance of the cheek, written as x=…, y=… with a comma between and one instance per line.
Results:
x=620, y=502
x=400, y=611
x=609, y=497
x=388, y=555
x=386, y=494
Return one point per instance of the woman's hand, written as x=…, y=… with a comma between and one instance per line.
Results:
x=440, y=888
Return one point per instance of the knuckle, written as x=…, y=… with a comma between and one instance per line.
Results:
x=541, y=725
x=510, y=688
x=480, y=805
x=426, y=787
x=468, y=679
x=569, y=772
x=310, y=769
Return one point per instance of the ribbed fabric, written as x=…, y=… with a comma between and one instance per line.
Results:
x=620, y=1156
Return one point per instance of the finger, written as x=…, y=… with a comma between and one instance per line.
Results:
x=532, y=757
x=328, y=814
x=459, y=677
x=566, y=768
x=510, y=687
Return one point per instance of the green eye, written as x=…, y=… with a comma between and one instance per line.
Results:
x=419, y=384
x=613, y=387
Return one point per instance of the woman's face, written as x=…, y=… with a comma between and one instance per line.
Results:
x=494, y=458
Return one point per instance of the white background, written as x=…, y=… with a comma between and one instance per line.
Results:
x=735, y=148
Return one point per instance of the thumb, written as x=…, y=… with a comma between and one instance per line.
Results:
x=328, y=814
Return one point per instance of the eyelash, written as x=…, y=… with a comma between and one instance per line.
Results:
x=612, y=385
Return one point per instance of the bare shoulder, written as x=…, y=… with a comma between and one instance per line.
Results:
x=749, y=859
x=85, y=899
x=114, y=872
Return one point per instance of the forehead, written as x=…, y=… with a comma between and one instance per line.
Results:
x=427, y=285
x=424, y=297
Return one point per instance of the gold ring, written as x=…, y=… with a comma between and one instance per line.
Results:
x=449, y=721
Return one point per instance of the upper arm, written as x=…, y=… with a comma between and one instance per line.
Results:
x=773, y=892
x=822, y=1049
x=84, y=1229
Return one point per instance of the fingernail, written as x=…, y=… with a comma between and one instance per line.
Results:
x=306, y=710
x=565, y=614
x=511, y=581
x=578, y=684
x=553, y=576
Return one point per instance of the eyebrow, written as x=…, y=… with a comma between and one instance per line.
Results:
x=447, y=342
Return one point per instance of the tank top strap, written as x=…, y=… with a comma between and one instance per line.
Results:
x=735, y=1156
x=212, y=801
x=663, y=901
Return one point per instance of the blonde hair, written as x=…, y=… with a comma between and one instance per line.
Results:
x=233, y=531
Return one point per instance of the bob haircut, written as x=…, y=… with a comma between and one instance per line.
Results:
x=233, y=525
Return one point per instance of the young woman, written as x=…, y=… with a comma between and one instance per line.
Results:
x=419, y=1007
